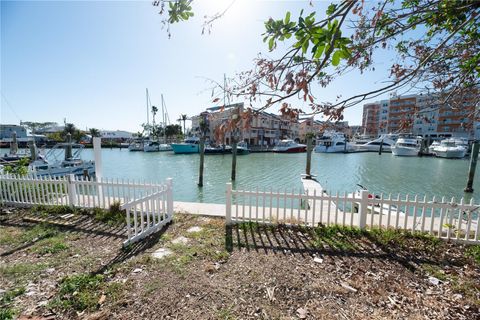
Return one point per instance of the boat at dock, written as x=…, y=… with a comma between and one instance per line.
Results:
x=136, y=145
x=71, y=164
x=189, y=145
x=448, y=149
x=289, y=146
x=332, y=142
x=406, y=146
x=242, y=148
x=155, y=146
x=387, y=141
x=221, y=149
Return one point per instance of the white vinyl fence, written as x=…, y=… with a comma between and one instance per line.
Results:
x=148, y=206
x=439, y=217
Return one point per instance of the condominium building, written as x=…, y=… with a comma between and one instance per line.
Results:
x=424, y=115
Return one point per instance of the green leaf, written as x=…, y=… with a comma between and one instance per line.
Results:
x=336, y=58
x=318, y=52
x=331, y=9
x=271, y=43
x=287, y=17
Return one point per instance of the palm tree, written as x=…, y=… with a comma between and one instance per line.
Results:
x=154, y=131
x=183, y=117
x=94, y=132
x=69, y=128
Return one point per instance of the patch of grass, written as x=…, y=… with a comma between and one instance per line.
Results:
x=78, y=292
x=17, y=236
x=20, y=270
x=336, y=237
x=55, y=210
x=114, y=215
x=6, y=311
x=250, y=225
x=435, y=271
x=50, y=245
x=474, y=253
x=226, y=314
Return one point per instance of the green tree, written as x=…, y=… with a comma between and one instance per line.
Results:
x=173, y=130
x=437, y=43
x=94, y=132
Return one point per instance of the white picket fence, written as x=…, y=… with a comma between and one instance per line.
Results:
x=148, y=206
x=439, y=217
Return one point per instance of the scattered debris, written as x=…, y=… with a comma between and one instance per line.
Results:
x=180, y=240
x=137, y=270
x=161, y=253
x=434, y=281
x=194, y=229
x=318, y=260
x=302, y=313
x=348, y=287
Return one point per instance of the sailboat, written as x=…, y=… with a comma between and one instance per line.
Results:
x=152, y=145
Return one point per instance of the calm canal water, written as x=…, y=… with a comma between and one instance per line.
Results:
x=336, y=172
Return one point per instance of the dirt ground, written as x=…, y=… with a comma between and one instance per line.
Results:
x=56, y=266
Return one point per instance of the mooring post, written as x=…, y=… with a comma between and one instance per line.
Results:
x=228, y=205
x=308, y=174
x=381, y=148
x=473, y=165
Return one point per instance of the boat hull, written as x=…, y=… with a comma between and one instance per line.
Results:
x=184, y=148
x=451, y=154
x=405, y=152
x=291, y=150
x=330, y=149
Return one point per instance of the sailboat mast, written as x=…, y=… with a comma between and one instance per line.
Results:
x=163, y=124
x=148, y=113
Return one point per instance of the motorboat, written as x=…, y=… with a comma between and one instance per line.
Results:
x=155, y=146
x=136, y=145
x=361, y=139
x=289, y=146
x=433, y=146
x=71, y=164
x=332, y=142
x=449, y=149
x=220, y=149
x=242, y=148
x=387, y=141
x=407, y=146
x=189, y=145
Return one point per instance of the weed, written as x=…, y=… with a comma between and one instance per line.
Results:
x=55, y=210
x=79, y=292
x=50, y=245
x=6, y=312
x=474, y=253
x=18, y=271
x=250, y=225
x=435, y=271
x=114, y=215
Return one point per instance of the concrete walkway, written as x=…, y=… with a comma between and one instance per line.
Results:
x=206, y=209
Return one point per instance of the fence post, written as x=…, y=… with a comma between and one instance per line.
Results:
x=170, y=198
x=362, y=210
x=228, y=204
x=72, y=197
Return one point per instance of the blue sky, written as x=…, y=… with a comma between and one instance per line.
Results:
x=90, y=62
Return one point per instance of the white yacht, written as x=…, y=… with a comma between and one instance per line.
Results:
x=136, y=145
x=433, y=146
x=332, y=142
x=388, y=141
x=449, y=149
x=155, y=146
x=406, y=145
x=289, y=146
x=72, y=163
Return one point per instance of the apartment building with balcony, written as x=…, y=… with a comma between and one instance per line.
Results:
x=424, y=115
x=263, y=129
